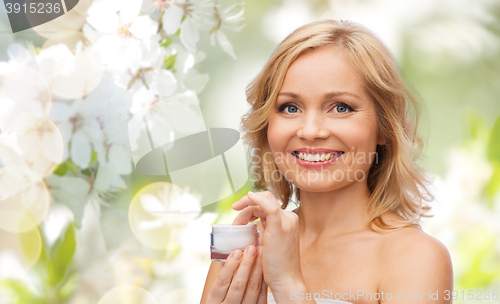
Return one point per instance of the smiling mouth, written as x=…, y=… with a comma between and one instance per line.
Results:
x=317, y=158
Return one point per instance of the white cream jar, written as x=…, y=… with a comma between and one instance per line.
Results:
x=226, y=237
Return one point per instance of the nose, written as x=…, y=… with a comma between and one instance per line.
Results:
x=312, y=128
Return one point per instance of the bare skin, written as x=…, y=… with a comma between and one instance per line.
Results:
x=363, y=261
x=339, y=255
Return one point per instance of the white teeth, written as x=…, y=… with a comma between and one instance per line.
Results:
x=316, y=157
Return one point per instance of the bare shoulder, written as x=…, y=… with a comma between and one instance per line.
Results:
x=412, y=242
x=422, y=259
x=414, y=245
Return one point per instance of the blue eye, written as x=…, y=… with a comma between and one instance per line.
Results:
x=291, y=108
x=341, y=109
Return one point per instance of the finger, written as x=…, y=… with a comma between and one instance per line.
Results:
x=291, y=216
x=241, y=203
x=254, y=282
x=224, y=277
x=267, y=203
x=248, y=215
x=247, y=200
x=240, y=279
x=262, y=299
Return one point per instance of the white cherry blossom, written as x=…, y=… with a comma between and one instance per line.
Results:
x=75, y=192
x=124, y=30
x=21, y=84
x=94, y=122
x=228, y=18
x=71, y=75
x=190, y=17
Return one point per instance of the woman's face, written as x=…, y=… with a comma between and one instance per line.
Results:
x=322, y=108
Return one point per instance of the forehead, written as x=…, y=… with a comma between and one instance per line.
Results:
x=320, y=71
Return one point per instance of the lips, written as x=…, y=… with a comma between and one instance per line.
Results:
x=318, y=157
x=316, y=150
x=315, y=162
x=316, y=154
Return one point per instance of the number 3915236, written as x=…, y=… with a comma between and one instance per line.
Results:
x=471, y=294
x=33, y=8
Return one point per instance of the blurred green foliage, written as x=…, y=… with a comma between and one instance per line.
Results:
x=53, y=268
x=494, y=158
x=478, y=249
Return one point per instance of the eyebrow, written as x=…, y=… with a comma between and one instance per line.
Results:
x=326, y=96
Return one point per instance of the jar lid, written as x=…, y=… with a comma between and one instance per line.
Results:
x=229, y=228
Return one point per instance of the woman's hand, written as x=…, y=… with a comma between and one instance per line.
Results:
x=240, y=280
x=280, y=242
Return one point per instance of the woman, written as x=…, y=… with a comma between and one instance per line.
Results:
x=333, y=125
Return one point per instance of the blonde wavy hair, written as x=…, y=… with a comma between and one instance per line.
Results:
x=395, y=182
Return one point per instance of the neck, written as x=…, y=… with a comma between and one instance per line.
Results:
x=335, y=212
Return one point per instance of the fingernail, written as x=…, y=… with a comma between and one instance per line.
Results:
x=250, y=192
x=251, y=251
x=260, y=250
x=237, y=255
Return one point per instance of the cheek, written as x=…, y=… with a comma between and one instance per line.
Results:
x=366, y=137
x=356, y=133
x=363, y=131
x=276, y=134
x=272, y=136
x=278, y=139
x=365, y=143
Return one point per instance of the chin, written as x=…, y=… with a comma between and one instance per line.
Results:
x=319, y=186
x=315, y=188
